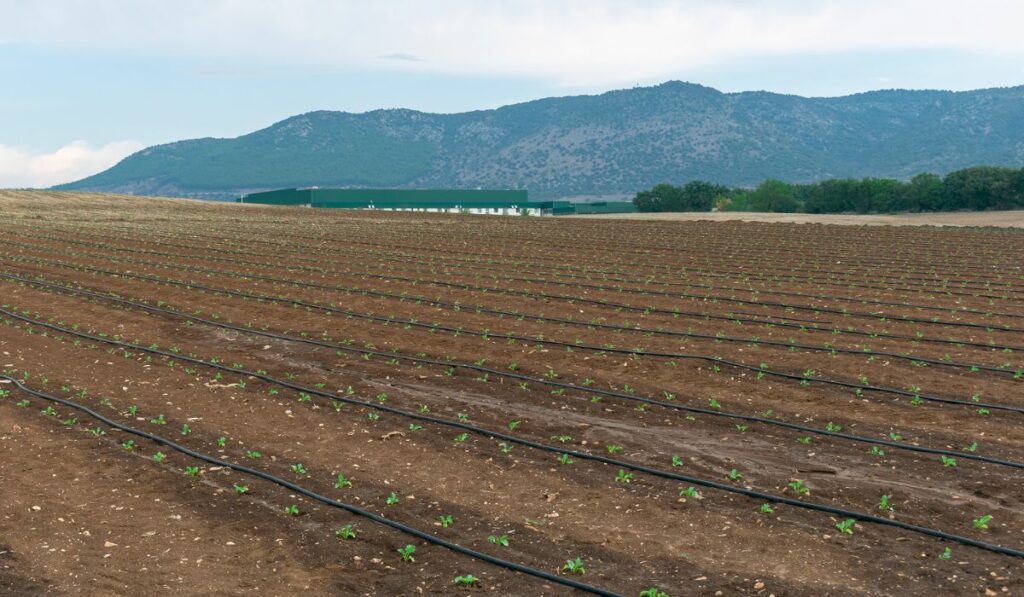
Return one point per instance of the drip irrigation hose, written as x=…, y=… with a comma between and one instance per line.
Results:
x=432, y=539
x=581, y=455
x=619, y=272
x=860, y=516
x=604, y=303
x=540, y=318
x=526, y=339
x=615, y=394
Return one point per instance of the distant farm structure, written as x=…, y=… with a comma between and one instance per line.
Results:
x=481, y=201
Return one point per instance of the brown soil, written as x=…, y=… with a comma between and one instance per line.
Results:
x=85, y=515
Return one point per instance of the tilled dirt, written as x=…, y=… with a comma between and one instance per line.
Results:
x=71, y=490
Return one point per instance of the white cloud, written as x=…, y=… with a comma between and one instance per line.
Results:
x=570, y=42
x=23, y=168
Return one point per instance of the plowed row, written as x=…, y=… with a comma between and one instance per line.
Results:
x=679, y=405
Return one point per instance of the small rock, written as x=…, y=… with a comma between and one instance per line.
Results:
x=109, y=544
x=758, y=586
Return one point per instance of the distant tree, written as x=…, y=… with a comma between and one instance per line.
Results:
x=699, y=195
x=924, y=193
x=663, y=197
x=774, y=195
x=979, y=187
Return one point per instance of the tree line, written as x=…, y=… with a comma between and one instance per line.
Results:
x=976, y=188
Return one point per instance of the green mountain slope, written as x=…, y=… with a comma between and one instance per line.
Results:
x=614, y=143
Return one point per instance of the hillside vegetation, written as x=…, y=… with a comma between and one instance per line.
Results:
x=615, y=143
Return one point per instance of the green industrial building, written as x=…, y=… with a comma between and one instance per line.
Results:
x=487, y=201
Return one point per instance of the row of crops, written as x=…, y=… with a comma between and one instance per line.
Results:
x=581, y=419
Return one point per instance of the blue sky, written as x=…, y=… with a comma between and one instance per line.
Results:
x=86, y=83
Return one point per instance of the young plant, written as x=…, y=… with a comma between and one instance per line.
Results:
x=799, y=487
x=501, y=540
x=298, y=469
x=466, y=580
x=159, y=457
x=406, y=553
x=624, y=477
x=981, y=523
x=192, y=471
x=241, y=489
x=885, y=503
x=392, y=499
x=846, y=526
x=574, y=566
x=346, y=532
x=734, y=475
x=767, y=509
x=342, y=482
x=653, y=592
x=446, y=520
x=689, y=493
x=677, y=461
x=292, y=510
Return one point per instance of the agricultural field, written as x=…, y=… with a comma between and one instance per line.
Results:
x=223, y=398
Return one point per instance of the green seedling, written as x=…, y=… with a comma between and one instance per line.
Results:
x=846, y=526
x=677, y=461
x=392, y=499
x=346, y=532
x=981, y=523
x=292, y=510
x=159, y=457
x=574, y=566
x=767, y=509
x=298, y=469
x=501, y=540
x=446, y=520
x=689, y=493
x=241, y=489
x=799, y=487
x=406, y=553
x=342, y=482
x=466, y=580
x=192, y=471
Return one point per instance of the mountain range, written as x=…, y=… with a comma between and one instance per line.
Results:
x=612, y=144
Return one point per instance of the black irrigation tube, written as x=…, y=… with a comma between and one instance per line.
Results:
x=643, y=254
x=778, y=499
x=475, y=264
x=527, y=339
x=458, y=285
x=702, y=272
x=706, y=298
x=464, y=426
x=577, y=299
x=524, y=316
x=432, y=539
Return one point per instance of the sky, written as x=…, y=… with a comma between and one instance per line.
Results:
x=84, y=83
